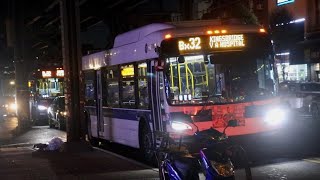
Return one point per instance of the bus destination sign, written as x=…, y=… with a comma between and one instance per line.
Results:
x=192, y=44
x=226, y=41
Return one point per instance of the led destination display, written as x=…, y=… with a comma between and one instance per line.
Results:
x=211, y=42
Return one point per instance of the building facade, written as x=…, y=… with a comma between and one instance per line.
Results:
x=312, y=41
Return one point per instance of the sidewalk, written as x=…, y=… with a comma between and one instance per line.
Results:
x=25, y=163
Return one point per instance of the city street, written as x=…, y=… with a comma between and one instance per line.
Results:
x=291, y=154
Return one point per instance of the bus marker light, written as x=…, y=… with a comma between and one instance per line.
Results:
x=223, y=31
x=209, y=32
x=180, y=97
x=262, y=30
x=216, y=31
x=167, y=36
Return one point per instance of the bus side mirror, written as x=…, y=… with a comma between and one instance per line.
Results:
x=181, y=59
x=211, y=59
x=159, y=64
x=205, y=59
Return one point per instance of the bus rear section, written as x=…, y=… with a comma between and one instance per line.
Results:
x=47, y=83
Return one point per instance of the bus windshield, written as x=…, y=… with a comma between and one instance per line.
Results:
x=49, y=87
x=229, y=77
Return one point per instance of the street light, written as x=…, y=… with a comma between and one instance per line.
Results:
x=12, y=83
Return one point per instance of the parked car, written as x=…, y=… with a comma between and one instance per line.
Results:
x=314, y=108
x=57, y=113
x=299, y=95
x=8, y=106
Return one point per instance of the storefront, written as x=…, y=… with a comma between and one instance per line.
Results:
x=312, y=57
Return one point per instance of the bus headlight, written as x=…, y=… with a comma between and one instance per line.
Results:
x=180, y=126
x=275, y=116
x=13, y=106
x=42, y=108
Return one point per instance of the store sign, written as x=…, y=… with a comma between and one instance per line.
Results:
x=283, y=2
x=46, y=74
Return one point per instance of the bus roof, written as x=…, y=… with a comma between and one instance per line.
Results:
x=141, y=43
x=139, y=33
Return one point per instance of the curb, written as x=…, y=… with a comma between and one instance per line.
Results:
x=125, y=158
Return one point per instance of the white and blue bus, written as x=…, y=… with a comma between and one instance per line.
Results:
x=205, y=70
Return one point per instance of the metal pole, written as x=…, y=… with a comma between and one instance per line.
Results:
x=72, y=65
x=22, y=93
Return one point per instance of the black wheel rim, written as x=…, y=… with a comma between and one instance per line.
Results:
x=147, y=146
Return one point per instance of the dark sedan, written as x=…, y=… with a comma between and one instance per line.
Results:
x=8, y=106
x=57, y=113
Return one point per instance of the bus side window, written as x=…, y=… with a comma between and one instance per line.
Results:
x=112, y=87
x=104, y=84
x=127, y=86
x=143, y=86
x=89, y=88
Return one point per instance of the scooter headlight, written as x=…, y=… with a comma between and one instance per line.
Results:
x=180, y=126
x=275, y=116
x=225, y=169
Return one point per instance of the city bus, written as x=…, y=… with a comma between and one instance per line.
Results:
x=204, y=70
x=46, y=84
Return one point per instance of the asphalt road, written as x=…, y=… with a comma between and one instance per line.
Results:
x=293, y=153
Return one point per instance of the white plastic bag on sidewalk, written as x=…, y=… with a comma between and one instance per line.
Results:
x=54, y=144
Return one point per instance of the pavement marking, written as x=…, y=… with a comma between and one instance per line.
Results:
x=313, y=160
x=125, y=158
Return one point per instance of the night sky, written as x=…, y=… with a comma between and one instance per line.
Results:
x=100, y=20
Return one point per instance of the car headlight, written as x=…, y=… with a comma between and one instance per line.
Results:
x=180, y=126
x=41, y=107
x=63, y=113
x=225, y=169
x=275, y=116
x=13, y=106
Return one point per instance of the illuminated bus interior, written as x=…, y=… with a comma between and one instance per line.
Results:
x=50, y=87
x=230, y=77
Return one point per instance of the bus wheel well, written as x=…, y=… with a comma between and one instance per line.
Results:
x=145, y=140
x=142, y=124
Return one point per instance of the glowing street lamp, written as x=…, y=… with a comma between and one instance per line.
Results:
x=12, y=83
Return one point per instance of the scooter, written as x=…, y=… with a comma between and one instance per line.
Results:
x=207, y=152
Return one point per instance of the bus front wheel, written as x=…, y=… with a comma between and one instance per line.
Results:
x=146, y=145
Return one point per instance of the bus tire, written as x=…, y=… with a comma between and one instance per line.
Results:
x=145, y=142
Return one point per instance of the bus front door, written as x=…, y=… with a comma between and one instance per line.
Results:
x=100, y=120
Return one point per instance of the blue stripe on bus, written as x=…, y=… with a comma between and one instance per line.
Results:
x=129, y=114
